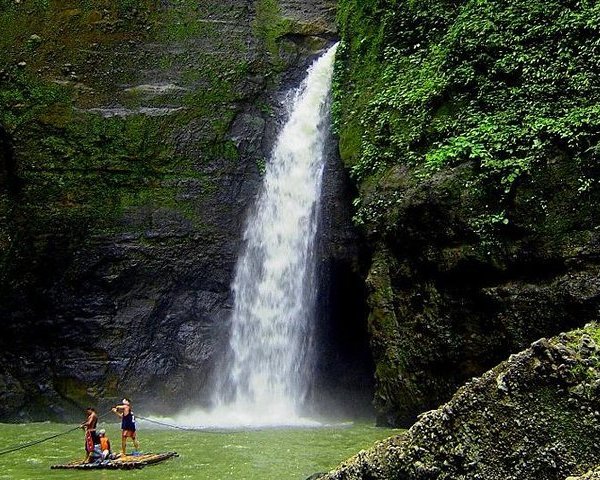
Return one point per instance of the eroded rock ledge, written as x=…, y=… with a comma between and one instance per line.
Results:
x=534, y=416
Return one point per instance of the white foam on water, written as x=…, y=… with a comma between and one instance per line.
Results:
x=224, y=418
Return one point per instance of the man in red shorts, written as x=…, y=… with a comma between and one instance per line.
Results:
x=127, y=425
x=90, y=432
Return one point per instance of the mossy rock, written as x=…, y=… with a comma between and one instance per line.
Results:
x=533, y=416
x=472, y=142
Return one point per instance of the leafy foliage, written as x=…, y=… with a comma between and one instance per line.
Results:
x=502, y=86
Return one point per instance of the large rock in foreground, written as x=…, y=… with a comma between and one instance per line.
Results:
x=534, y=416
x=593, y=475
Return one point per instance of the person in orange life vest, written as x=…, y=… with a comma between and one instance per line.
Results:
x=127, y=425
x=91, y=438
x=104, y=444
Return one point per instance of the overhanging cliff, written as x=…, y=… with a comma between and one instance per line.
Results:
x=471, y=129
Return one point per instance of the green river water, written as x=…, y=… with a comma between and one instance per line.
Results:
x=271, y=454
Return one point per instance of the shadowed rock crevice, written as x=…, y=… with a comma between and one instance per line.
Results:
x=8, y=165
x=344, y=370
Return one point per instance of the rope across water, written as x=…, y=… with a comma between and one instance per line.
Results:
x=16, y=448
x=22, y=446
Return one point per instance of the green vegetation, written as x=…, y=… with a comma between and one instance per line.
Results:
x=269, y=26
x=503, y=88
x=81, y=163
x=71, y=157
x=587, y=370
x=471, y=129
x=84, y=172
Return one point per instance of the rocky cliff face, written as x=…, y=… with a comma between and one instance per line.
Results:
x=471, y=130
x=132, y=140
x=534, y=416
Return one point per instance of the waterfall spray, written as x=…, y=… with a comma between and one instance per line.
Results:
x=270, y=359
x=274, y=286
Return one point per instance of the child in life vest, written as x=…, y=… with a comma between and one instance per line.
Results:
x=104, y=444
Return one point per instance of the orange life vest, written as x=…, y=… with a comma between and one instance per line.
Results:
x=104, y=443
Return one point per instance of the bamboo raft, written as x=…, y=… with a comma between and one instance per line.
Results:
x=127, y=462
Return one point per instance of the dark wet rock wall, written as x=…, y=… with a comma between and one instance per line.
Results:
x=133, y=140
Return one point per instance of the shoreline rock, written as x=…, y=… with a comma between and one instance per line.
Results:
x=533, y=417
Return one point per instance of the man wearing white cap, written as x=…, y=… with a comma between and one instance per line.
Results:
x=127, y=425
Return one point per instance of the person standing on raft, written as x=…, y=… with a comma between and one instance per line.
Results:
x=91, y=439
x=127, y=425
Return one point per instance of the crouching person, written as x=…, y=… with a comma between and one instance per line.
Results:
x=104, y=445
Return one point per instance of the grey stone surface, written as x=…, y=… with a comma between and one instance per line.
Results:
x=535, y=416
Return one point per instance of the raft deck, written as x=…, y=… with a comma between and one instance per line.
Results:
x=127, y=462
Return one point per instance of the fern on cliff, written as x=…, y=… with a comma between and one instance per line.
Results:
x=503, y=87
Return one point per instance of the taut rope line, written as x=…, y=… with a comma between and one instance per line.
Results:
x=15, y=448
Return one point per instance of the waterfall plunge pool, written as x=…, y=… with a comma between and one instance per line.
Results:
x=269, y=454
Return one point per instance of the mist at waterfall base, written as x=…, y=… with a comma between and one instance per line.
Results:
x=268, y=369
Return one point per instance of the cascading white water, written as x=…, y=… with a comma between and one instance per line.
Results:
x=274, y=286
x=269, y=366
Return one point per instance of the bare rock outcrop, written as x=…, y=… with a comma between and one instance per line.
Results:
x=533, y=417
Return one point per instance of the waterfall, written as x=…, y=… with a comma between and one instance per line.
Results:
x=274, y=286
x=270, y=361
